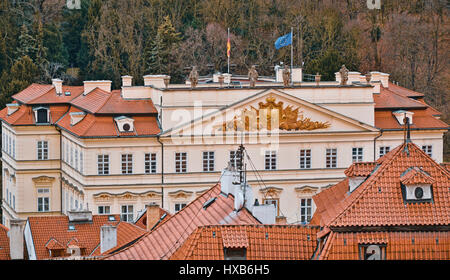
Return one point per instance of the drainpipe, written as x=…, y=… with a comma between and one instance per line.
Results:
x=375, y=145
x=60, y=170
x=162, y=170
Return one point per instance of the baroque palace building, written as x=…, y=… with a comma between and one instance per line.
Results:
x=115, y=151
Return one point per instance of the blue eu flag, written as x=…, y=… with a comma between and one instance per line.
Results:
x=283, y=41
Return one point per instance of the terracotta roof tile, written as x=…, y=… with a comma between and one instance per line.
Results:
x=263, y=242
x=400, y=245
x=388, y=99
x=421, y=119
x=25, y=115
x=4, y=243
x=85, y=235
x=415, y=176
x=165, y=239
x=404, y=91
x=32, y=92
x=367, y=204
x=360, y=169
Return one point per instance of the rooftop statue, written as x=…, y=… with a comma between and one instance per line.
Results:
x=286, y=77
x=253, y=76
x=344, y=75
x=193, y=77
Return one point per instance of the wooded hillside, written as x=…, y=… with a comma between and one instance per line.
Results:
x=45, y=39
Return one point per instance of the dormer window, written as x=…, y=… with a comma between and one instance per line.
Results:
x=416, y=185
x=400, y=115
x=12, y=107
x=125, y=124
x=42, y=115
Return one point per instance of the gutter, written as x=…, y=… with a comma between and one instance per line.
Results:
x=375, y=145
x=162, y=170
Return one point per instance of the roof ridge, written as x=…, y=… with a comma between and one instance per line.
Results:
x=406, y=97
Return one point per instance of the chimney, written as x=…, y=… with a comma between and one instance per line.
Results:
x=127, y=81
x=16, y=239
x=265, y=213
x=57, y=83
x=280, y=220
x=90, y=85
x=76, y=117
x=153, y=215
x=108, y=237
x=155, y=80
x=380, y=77
x=79, y=216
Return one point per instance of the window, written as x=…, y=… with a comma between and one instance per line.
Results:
x=63, y=148
x=235, y=253
x=103, y=164
x=43, y=200
x=270, y=160
x=104, y=209
x=179, y=206
x=127, y=213
x=14, y=147
x=331, y=158
x=208, y=161
x=372, y=251
x=81, y=162
x=150, y=163
x=305, y=210
x=357, y=154
x=384, y=150
x=127, y=163
x=305, y=159
x=274, y=201
x=71, y=156
x=233, y=158
x=42, y=115
x=428, y=149
x=42, y=150
x=76, y=159
x=180, y=162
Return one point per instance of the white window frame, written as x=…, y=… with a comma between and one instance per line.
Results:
x=428, y=149
x=42, y=150
x=43, y=200
x=270, y=160
x=102, y=164
x=331, y=158
x=150, y=162
x=180, y=162
x=128, y=214
x=306, y=210
x=357, y=154
x=382, y=150
x=179, y=205
x=104, y=209
x=208, y=158
x=305, y=158
x=126, y=163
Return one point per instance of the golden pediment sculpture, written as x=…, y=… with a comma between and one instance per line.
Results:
x=272, y=113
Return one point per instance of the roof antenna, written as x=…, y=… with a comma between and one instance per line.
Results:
x=407, y=134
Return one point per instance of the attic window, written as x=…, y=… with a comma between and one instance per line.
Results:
x=372, y=251
x=235, y=253
x=67, y=93
x=71, y=227
x=416, y=185
x=111, y=218
x=125, y=124
x=41, y=115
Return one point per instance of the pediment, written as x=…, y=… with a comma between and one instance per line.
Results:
x=272, y=111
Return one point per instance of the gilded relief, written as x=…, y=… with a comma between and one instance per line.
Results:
x=272, y=113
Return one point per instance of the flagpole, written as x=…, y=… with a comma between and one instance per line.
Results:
x=292, y=53
x=228, y=39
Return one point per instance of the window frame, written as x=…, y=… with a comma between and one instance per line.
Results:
x=126, y=163
x=331, y=158
x=150, y=163
x=42, y=150
x=304, y=217
x=180, y=162
x=270, y=160
x=209, y=161
x=127, y=214
x=305, y=158
x=104, y=164
x=357, y=154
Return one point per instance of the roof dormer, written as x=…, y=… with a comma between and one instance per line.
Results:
x=358, y=172
x=76, y=117
x=125, y=124
x=41, y=115
x=12, y=107
x=416, y=185
x=401, y=114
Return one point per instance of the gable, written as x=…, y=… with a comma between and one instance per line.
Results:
x=270, y=111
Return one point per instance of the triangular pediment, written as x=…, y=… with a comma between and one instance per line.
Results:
x=271, y=110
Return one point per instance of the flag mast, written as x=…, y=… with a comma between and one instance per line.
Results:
x=228, y=49
x=292, y=53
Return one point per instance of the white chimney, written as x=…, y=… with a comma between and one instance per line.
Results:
x=57, y=83
x=108, y=237
x=226, y=180
x=79, y=216
x=90, y=85
x=155, y=80
x=265, y=213
x=380, y=77
x=16, y=239
x=127, y=81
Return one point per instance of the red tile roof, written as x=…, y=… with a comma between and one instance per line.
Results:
x=165, y=239
x=142, y=220
x=25, y=115
x=105, y=125
x=416, y=176
x=388, y=99
x=404, y=91
x=366, y=205
x=360, y=169
x=86, y=235
x=32, y=92
x=262, y=242
x=421, y=119
x=4, y=243
x=400, y=245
